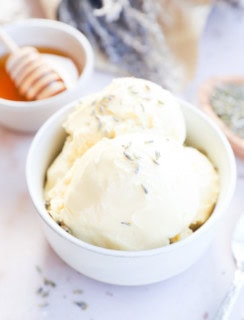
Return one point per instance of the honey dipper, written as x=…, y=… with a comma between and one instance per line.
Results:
x=34, y=78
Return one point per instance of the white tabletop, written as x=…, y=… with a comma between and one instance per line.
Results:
x=26, y=259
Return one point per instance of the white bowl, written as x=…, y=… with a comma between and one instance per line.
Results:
x=137, y=267
x=29, y=116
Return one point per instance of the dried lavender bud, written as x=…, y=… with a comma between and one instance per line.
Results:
x=49, y=282
x=125, y=223
x=144, y=189
x=81, y=304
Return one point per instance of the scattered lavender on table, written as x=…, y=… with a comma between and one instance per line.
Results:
x=44, y=290
x=49, y=282
x=81, y=304
x=43, y=305
x=48, y=287
x=77, y=291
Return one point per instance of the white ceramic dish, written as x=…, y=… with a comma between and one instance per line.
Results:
x=123, y=267
x=29, y=116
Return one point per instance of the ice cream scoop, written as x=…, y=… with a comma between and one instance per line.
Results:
x=137, y=191
x=126, y=105
x=32, y=75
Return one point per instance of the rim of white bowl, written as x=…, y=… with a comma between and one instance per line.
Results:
x=42, y=212
x=63, y=27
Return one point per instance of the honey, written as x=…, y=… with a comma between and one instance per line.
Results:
x=7, y=87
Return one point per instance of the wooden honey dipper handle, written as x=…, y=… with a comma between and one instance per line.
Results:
x=32, y=75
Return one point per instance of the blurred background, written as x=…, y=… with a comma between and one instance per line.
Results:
x=157, y=40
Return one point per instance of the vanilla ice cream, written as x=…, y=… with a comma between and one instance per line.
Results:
x=124, y=179
x=127, y=105
x=207, y=181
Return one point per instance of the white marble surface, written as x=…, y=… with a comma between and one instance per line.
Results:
x=193, y=295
